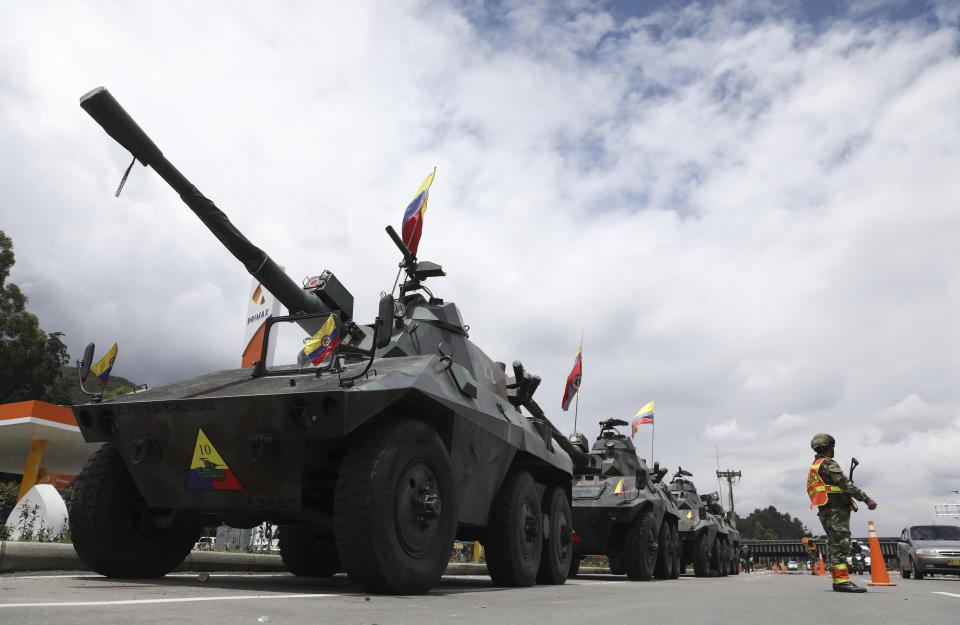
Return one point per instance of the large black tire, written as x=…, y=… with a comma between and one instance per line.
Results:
x=701, y=555
x=734, y=560
x=307, y=553
x=574, y=567
x=616, y=565
x=514, y=536
x=107, y=523
x=556, y=555
x=640, y=547
x=665, y=552
x=716, y=555
x=723, y=564
x=395, y=509
x=677, y=567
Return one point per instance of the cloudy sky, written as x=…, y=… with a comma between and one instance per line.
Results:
x=750, y=209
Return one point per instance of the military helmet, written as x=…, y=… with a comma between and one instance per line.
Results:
x=822, y=441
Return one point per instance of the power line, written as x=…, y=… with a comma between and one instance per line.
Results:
x=732, y=477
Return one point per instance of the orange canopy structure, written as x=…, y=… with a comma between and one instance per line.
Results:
x=39, y=439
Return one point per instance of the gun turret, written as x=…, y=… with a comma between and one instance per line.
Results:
x=323, y=293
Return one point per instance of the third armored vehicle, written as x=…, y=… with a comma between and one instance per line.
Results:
x=704, y=538
x=383, y=443
x=729, y=522
x=620, y=511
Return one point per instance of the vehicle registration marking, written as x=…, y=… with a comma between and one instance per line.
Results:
x=953, y=562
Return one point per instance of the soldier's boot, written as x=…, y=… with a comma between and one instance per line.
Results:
x=848, y=587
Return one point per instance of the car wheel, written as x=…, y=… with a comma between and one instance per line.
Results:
x=917, y=573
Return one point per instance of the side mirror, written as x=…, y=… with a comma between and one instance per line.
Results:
x=86, y=362
x=384, y=325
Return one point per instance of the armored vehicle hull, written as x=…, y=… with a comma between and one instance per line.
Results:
x=620, y=511
x=409, y=437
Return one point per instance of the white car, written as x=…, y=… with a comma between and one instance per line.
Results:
x=792, y=565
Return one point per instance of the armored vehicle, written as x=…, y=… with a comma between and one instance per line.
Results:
x=620, y=511
x=383, y=444
x=704, y=538
x=729, y=522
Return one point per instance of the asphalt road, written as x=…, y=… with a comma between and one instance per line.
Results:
x=760, y=599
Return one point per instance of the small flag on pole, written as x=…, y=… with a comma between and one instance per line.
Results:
x=321, y=344
x=573, y=380
x=412, y=226
x=102, y=367
x=644, y=416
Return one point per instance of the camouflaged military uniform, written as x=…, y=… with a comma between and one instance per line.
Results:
x=830, y=492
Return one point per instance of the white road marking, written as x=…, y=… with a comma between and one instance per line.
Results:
x=95, y=576
x=81, y=604
x=949, y=594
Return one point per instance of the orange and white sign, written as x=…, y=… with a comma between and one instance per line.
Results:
x=261, y=305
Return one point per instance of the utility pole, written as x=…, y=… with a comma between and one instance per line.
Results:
x=732, y=477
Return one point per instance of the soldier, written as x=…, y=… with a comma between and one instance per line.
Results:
x=832, y=493
x=810, y=548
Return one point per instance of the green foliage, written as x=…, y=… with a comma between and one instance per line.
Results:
x=30, y=359
x=770, y=524
x=8, y=494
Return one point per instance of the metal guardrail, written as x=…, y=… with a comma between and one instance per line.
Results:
x=794, y=548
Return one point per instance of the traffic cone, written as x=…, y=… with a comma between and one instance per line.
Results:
x=776, y=569
x=878, y=568
x=822, y=571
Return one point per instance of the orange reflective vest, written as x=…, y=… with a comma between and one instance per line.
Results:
x=817, y=489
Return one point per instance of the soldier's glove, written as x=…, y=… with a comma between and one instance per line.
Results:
x=871, y=504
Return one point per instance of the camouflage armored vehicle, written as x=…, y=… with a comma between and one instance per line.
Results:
x=620, y=511
x=704, y=538
x=729, y=522
x=373, y=453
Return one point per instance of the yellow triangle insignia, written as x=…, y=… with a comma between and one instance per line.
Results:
x=205, y=454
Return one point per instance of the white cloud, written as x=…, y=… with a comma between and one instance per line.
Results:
x=747, y=217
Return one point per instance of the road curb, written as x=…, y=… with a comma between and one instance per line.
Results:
x=18, y=556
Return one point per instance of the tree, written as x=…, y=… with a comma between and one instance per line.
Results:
x=769, y=524
x=30, y=359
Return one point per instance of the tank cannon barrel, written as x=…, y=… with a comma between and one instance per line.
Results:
x=106, y=111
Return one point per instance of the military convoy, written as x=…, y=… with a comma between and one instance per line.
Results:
x=708, y=541
x=378, y=448
x=402, y=436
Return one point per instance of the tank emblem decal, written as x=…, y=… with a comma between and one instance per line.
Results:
x=208, y=471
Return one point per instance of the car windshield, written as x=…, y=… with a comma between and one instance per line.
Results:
x=935, y=532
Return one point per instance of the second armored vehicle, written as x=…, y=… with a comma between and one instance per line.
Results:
x=383, y=443
x=704, y=538
x=620, y=511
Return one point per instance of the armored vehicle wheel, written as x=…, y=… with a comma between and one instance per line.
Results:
x=640, y=547
x=701, y=555
x=395, y=509
x=677, y=565
x=109, y=523
x=307, y=553
x=616, y=565
x=664, y=565
x=716, y=557
x=574, y=566
x=556, y=555
x=514, y=538
x=723, y=563
x=734, y=561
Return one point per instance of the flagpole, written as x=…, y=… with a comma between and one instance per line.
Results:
x=576, y=406
x=653, y=431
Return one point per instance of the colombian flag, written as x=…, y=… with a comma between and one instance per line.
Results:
x=322, y=344
x=102, y=367
x=573, y=380
x=412, y=226
x=644, y=416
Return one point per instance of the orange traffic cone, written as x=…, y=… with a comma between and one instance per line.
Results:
x=822, y=571
x=878, y=568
